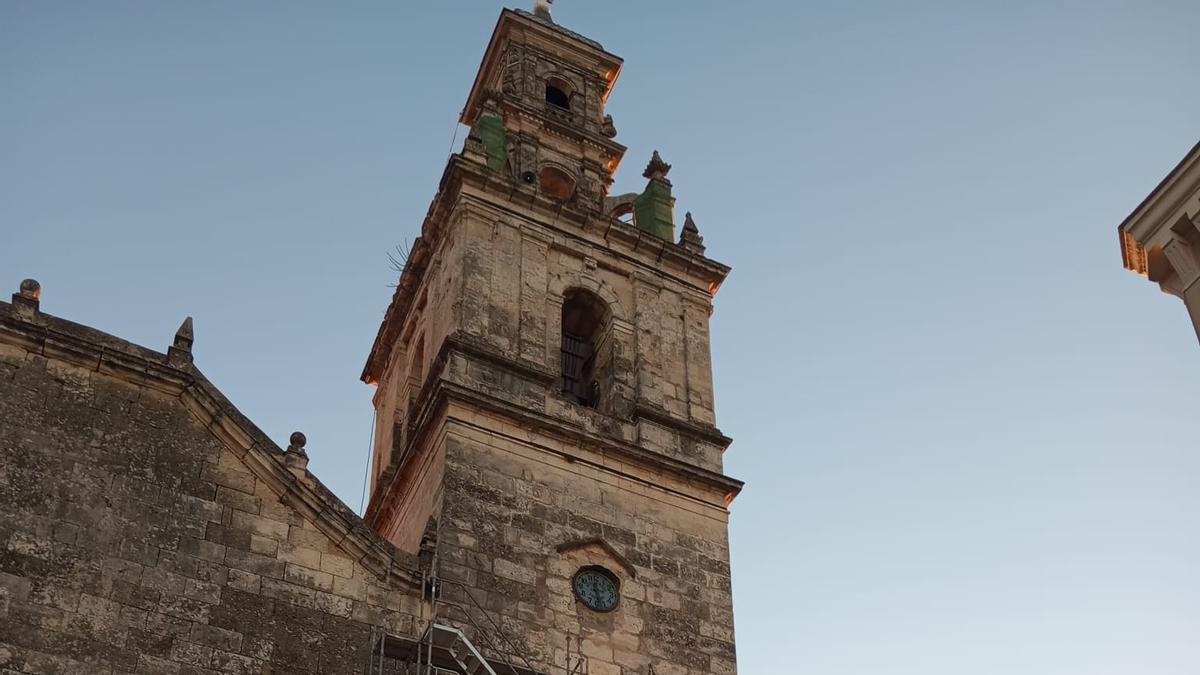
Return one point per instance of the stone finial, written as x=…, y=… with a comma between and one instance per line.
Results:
x=30, y=288
x=26, y=299
x=296, y=458
x=657, y=169
x=607, y=128
x=184, y=337
x=296, y=442
x=180, y=351
x=690, y=238
x=654, y=209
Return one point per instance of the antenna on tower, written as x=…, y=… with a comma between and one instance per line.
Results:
x=542, y=8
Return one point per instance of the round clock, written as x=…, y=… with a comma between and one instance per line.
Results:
x=597, y=588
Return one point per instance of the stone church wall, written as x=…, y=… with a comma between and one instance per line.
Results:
x=133, y=541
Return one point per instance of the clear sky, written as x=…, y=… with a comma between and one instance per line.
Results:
x=969, y=436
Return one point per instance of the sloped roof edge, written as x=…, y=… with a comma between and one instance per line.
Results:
x=57, y=338
x=1158, y=190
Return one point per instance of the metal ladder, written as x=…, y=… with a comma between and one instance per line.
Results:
x=459, y=648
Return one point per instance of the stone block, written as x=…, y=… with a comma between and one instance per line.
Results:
x=353, y=589
x=233, y=479
x=264, y=546
x=337, y=565
x=288, y=592
x=244, y=581
x=304, y=576
x=216, y=638
x=258, y=525
x=153, y=665
x=235, y=664
x=16, y=587
x=238, y=499
x=203, y=591
x=191, y=653
x=300, y=555
x=254, y=563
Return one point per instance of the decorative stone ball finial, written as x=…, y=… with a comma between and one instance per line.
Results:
x=31, y=289
x=297, y=442
x=296, y=459
x=25, y=300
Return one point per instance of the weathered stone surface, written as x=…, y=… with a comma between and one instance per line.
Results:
x=134, y=539
x=516, y=473
x=148, y=527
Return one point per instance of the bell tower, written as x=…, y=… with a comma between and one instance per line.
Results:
x=537, y=109
x=545, y=428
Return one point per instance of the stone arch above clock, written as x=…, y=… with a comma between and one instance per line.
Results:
x=605, y=551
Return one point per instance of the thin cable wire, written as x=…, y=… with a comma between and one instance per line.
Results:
x=454, y=137
x=367, y=469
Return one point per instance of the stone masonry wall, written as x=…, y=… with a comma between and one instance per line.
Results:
x=424, y=329
x=132, y=541
x=514, y=272
x=515, y=498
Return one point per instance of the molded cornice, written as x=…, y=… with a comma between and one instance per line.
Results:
x=641, y=249
x=603, y=61
x=57, y=338
x=1150, y=223
x=437, y=393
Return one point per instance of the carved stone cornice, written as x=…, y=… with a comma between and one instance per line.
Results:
x=700, y=432
x=1152, y=223
x=565, y=128
x=437, y=392
x=1161, y=238
x=606, y=65
x=639, y=248
x=86, y=347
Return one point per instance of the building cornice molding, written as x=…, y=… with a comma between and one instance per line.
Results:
x=729, y=487
x=554, y=127
x=472, y=347
x=637, y=246
x=56, y=338
x=438, y=392
x=1150, y=224
x=510, y=21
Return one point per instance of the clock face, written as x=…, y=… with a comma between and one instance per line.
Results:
x=597, y=588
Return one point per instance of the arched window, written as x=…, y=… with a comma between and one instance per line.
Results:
x=585, y=353
x=557, y=183
x=558, y=93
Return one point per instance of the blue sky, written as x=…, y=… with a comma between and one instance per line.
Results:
x=968, y=434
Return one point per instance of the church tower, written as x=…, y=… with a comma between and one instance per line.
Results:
x=545, y=431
